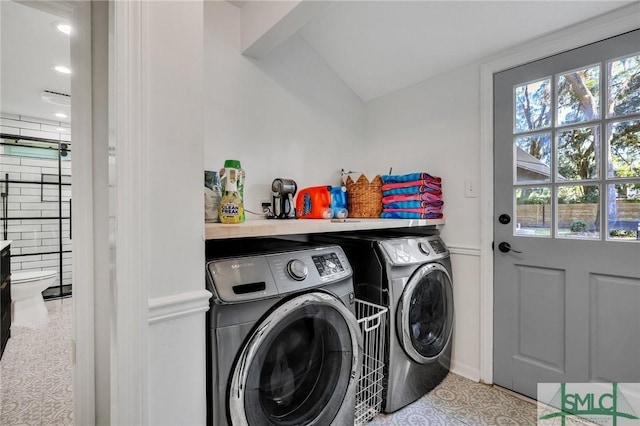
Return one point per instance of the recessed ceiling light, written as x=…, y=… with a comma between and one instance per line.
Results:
x=64, y=28
x=60, y=115
x=63, y=70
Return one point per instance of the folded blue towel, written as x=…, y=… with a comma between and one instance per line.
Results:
x=410, y=190
x=410, y=215
x=412, y=204
x=405, y=178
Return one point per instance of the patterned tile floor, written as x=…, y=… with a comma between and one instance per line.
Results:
x=36, y=386
x=461, y=402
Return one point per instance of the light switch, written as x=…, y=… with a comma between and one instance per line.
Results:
x=470, y=189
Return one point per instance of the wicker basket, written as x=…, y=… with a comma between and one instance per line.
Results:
x=364, y=198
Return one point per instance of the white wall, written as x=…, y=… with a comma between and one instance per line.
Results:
x=288, y=115
x=434, y=126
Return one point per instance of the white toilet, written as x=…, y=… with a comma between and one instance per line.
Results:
x=26, y=293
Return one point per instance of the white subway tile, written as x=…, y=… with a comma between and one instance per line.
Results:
x=65, y=137
x=39, y=134
x=9, y=116
x=30, y=177
x=40, y=264
x=12, y=176
x=8, y=159
x=17, y=168
x=15, y=251
x=54, y=129
x=31, y=191
x=23, y=228
x=14, y=131
x=20, y=124
x=39, y=206
x=39, y=120
x=25, y=199
x=50, y=242
x=50, y=171
x=14, y=191
x=40, y=162
x=26, y=213
x=33, y=258
x=34, y=249
x=13, y=206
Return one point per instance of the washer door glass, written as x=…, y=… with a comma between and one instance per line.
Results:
x=426, y=313
x=298, y=365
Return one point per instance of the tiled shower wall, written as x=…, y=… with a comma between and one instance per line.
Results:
x=32, y=200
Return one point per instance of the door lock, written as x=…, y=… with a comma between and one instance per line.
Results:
x=504, y=219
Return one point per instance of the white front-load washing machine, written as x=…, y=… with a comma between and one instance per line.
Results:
x=410, y=274
x=284, y=347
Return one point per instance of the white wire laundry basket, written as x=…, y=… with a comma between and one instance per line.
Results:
x=372, y=321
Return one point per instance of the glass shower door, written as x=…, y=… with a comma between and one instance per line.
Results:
x=35, y=184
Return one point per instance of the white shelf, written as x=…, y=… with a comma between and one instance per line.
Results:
x=273, y=227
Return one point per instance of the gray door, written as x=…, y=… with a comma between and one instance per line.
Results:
x=567, y=202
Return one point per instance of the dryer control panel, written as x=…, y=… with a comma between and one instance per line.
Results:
x=253, y=277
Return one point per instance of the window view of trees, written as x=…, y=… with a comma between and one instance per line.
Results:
x=577, y=129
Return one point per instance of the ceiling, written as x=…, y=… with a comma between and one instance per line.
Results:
x=376, y=47
x=31, y=47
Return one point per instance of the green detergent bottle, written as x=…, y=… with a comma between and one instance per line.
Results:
x=231, y=208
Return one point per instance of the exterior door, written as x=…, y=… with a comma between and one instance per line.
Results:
x=567, y=218
x=299, y=366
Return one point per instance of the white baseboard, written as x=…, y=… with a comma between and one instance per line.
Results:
x=464, y=370
x=178, y=305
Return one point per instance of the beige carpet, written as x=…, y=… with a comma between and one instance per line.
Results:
x=36, y=386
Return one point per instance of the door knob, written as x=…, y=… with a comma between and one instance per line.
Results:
x=506, y=248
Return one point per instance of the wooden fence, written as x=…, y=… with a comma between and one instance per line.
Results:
x=532, y=215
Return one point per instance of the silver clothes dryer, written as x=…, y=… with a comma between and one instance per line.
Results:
x=284, y=347
x=411, y=276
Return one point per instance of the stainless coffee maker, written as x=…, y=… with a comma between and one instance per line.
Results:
x=283, y=191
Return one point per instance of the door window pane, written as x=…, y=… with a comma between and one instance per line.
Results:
x=533, y=211
x=624, y=86
x=578, y=96
x=578, y=153
x=533, y=158
x=624, y=149
x=624, y=211
x=578, y=211
x=532, y=106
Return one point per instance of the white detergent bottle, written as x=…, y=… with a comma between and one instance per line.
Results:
x=231, y=209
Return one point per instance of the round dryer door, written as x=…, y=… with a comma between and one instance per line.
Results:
x=425, y=313
x=298, y=366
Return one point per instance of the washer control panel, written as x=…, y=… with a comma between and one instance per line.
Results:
x=327, y=264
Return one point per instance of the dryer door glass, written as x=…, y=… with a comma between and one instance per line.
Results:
x=427, y=313
x=300, y=372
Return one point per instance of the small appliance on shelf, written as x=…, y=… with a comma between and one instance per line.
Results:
x=282, y=191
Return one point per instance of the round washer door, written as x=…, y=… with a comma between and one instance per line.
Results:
x=425, y=313
x=298, y=365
